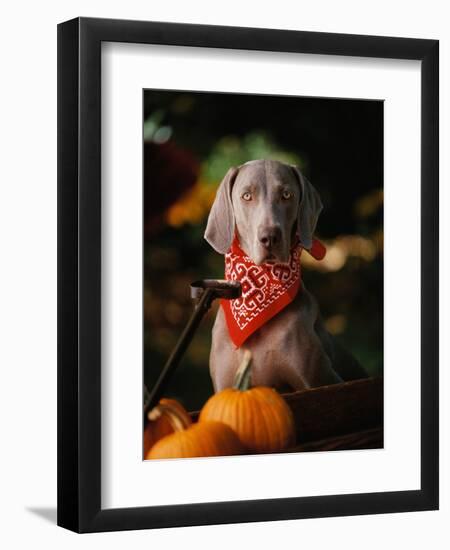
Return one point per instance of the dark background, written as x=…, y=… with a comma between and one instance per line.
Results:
x=190, y=141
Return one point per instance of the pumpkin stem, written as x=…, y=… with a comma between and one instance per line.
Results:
x=242, y=377
x=177, y=422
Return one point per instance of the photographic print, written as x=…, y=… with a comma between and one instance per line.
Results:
x=263, y=274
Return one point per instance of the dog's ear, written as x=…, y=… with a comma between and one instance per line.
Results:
x=220, y=227
x=309, y=209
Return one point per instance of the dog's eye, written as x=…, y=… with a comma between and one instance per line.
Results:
x=247, y=196
x=286, y=195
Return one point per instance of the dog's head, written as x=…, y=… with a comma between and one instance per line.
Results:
x=267, y=203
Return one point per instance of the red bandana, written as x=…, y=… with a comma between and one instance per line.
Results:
x=266, y=289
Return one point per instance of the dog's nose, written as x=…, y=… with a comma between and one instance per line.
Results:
x=269, y=236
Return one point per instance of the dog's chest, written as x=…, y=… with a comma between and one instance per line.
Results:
x=274, y=348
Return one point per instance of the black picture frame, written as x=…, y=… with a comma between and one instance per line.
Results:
x=79, y=274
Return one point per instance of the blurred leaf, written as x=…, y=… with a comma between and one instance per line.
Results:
x=233, y=151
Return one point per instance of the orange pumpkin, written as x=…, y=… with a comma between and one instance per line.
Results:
x=260, y=416
x=205, y=439
x=160, y=421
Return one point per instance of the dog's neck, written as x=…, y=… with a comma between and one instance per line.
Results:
x=266, y=290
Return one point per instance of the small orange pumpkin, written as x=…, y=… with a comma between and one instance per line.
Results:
x=205, y=439
x=160, y=421
x=260, y=416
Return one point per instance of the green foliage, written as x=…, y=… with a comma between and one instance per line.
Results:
x=234, y=151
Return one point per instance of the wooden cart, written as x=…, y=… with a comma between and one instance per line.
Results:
x=337, y=417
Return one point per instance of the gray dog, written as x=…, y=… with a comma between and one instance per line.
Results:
x=266, y=205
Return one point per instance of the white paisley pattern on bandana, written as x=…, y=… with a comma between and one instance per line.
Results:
x=266, y=290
